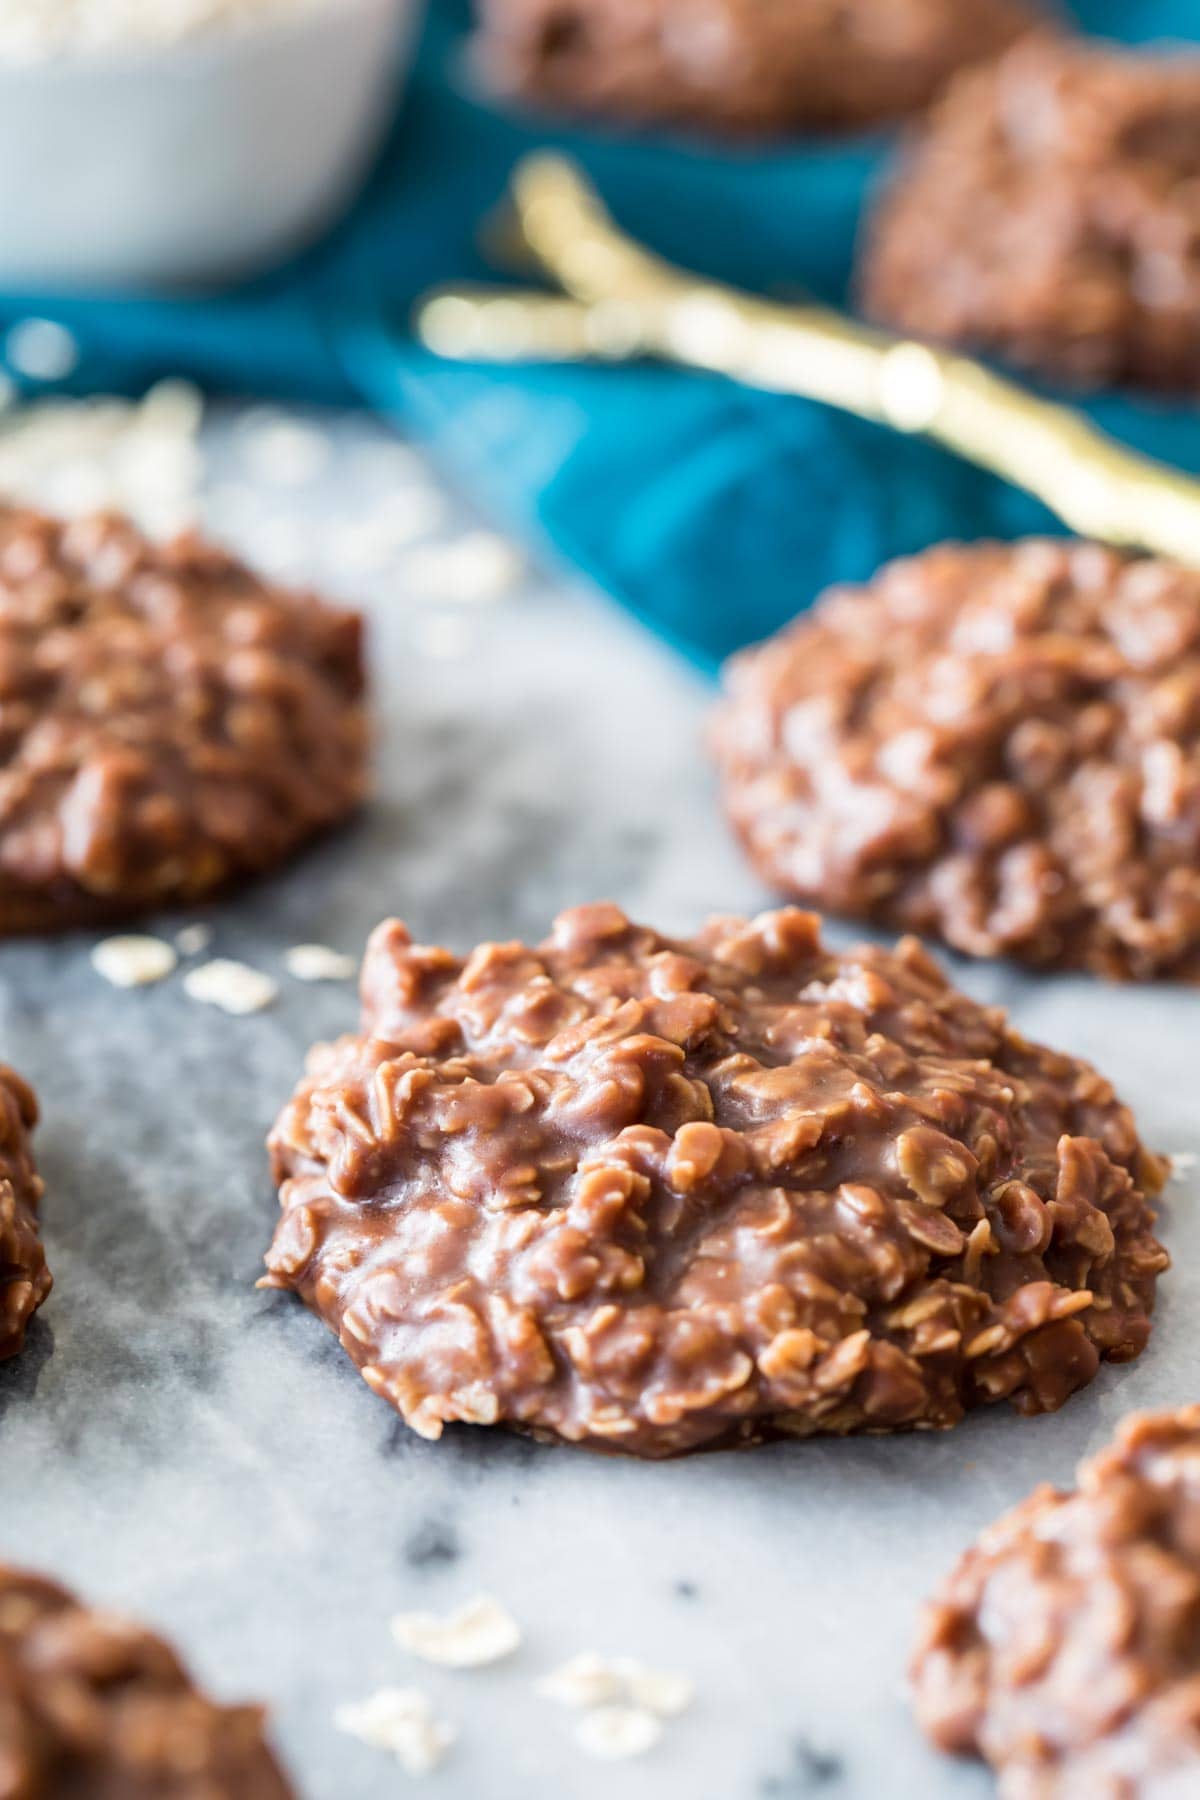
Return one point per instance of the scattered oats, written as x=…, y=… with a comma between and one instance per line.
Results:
x=281, y=546
x=41, y=350
x=233, y=986
x=31, y=30
x=472, y=570
x=402, y=1721
x=129, y=962
x=589, y=1680
x=1183, y=1164
x=613, y=1733
x=193, y=940
x=441, y=636
x=369, y=544
x=282, y=451
x=480, y=1632
x=317, y=962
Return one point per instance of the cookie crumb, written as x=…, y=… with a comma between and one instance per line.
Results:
x=317, y=962
x=233, y=986
x=1183, y=1163
x=614, y=1733
x=129, y=962
x=401, y=1721
x=193, y=940
x=480, y=1632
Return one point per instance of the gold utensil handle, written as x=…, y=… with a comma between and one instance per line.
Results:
x=623, y=300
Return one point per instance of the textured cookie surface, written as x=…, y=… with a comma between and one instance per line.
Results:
x=997, y=744
x=168, y=723
x=24, y=1278
x=93, y=1707
x=1063, y=1648
x=652, y=1195
x=1050, y=213
x=741, y=65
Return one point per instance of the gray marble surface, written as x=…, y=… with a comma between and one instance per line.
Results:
x=181, y=1445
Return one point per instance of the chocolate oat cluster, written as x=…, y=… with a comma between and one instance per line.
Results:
x=652, y=1195
x=24, y=1277
x=93, y=1707
x=997, y=744
x=1063, y=1648
x=170, y=724
x=757, y=66
x=1050, y=212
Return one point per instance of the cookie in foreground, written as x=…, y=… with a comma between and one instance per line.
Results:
x=171, y=723
x=24, y=1277
x=94, y=1706
x=1047, y=213
x=741, y=65
x=1063, y=1648
x=995, y=744
x=656, y=1195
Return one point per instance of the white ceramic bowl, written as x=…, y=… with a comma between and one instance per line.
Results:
x=188, y=164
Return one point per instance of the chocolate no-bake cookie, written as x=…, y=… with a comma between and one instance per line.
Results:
x=999, y=744
x=758, y=66
x=1064, y=1648
x=96, y=1708
x=1050, y=213
x=168, y=722
x=650, y=1195
x=24, y=1277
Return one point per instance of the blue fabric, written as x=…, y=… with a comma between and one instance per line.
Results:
x=714, y=514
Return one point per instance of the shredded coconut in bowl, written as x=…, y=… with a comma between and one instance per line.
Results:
x=34, y=29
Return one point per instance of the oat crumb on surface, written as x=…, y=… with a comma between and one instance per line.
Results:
x=401, y=1721
x=479, y=1632
x=193, y=940
x=233, y=986
x=591, y=1680
x=615, y=1733
x=1184, y=1163
x=317, y=962
x=134, y=961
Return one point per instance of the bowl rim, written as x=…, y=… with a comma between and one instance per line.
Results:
x=199, y=52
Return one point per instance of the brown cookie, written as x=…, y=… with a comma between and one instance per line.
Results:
x=997, y=744
x=170, y=724
x=1048, y=213
x=1063, y=1649
x=756, y=66
x=94, y=1707
x=24, y=1277
x=651, y=1196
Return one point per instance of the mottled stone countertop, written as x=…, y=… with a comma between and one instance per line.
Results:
x=179, y=1444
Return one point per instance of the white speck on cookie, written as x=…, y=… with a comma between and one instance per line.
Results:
x=480, y=1632
x=589, y=1680
x=193, y=940
x=317, y=962
x=129, y=962
x=401, y=1721
x=614, y=1733
x=233, y=986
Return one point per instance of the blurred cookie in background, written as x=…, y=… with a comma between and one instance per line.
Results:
x=94, y=1705
x=754, y=66
x=1049, y=212
x=996, y=744
x=1063, y=1648
x=24, y=1277
x=171, y=724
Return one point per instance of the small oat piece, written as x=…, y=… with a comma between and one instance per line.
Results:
x=233, y=986
x=615, y=1733
x=129, y=962
x=317, y=962
x=590, y=1680
x=480, y=1632
x=402, y=1721
x=1183, y=1164
x=193, y=940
